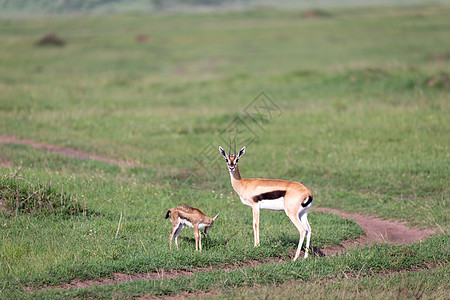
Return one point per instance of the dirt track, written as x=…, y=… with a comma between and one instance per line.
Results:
x=66, y=151
x=376, y=231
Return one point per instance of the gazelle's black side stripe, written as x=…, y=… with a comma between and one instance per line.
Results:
x=269, y=195
x=307, y=201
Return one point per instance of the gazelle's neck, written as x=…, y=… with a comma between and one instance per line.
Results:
x=235, y=178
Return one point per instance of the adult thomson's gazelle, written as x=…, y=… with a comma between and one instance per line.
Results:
x=292, y=197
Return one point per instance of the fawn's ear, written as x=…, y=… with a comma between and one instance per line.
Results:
x=215, y=217
x=222, y=151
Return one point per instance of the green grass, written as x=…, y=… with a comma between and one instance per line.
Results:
x=361, y=263
x=362, y=121
x=422, y=284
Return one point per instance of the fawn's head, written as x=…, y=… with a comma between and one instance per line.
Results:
x=208, y=228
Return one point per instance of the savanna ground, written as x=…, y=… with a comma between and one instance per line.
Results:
x=355, y=105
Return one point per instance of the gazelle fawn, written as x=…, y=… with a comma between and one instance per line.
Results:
x=292, y=197
x=182, y=216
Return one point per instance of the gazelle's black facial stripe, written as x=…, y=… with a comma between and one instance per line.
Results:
x=307, y=201
x=270, y=195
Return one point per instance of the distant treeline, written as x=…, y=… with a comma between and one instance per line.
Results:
x=76, y=6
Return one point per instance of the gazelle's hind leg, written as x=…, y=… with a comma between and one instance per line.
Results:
x=174, y=229
x=174, y=234
x=305, y=223
x=295, y=219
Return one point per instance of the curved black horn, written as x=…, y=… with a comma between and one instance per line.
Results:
x=234, y=147
x=229, y=151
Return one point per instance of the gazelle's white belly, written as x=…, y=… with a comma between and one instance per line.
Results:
x=185, y=223
x=245, y=202
x=275, y=204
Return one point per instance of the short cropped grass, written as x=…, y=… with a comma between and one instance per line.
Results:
x=360, y=262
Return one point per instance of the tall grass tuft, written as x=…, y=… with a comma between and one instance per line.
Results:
x=19, y=196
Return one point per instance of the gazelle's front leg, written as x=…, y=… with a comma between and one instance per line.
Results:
x=196, y=237
x=255, y=210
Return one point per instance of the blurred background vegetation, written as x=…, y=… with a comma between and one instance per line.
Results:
x=36, y=7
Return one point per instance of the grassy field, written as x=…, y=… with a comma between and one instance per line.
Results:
x=358, y=111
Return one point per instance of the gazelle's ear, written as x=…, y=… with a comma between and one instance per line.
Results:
x=241, y=152
x=215, y=217
x=222, y=151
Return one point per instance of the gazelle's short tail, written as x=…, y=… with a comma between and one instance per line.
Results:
x=168, y=214
x=308, y=200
